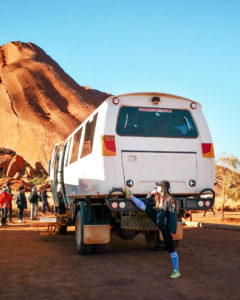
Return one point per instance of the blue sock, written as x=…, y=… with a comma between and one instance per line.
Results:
x=138, y=203
x=174, y=257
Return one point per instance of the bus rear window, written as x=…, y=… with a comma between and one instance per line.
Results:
x=155, y=122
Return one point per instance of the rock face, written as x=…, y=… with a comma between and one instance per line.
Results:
x=40, y=104
x=16, y=165
x=4, y=163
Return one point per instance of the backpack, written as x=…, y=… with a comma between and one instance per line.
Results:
x=31, y=198
x=18, y=201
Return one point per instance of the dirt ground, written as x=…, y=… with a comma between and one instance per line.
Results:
x=39, y=267
x=231, y=217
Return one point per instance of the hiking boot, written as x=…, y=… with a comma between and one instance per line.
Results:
x=175, y=274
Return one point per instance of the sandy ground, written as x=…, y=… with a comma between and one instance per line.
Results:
x=39, y=267
x=231, y=217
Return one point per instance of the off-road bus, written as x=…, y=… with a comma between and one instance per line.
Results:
x=135, y=139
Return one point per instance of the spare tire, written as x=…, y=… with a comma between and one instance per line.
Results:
x=139, y=222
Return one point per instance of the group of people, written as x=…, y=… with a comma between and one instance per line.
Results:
x=6, y=198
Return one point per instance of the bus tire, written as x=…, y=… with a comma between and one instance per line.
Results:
x=81, y=247
x=62, y=229
x=153, y=241
x=127, y=234
x=142, y=222
x=98, y=248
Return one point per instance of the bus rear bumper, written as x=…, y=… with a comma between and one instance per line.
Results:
x=203, y=201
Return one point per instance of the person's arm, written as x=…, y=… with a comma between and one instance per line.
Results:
x=140, y=204
x=44, y=196
x=171, y=206
x=9, y=197
x=25, y=202
x=29, y=198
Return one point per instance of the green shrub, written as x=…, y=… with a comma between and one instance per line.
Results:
x=37, y=180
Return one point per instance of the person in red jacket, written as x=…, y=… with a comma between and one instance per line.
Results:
x=5, y=199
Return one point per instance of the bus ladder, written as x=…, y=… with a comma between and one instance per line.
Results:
x=53, y=227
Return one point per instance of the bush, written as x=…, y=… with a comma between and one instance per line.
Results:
x=37, y=180
x=228, y=179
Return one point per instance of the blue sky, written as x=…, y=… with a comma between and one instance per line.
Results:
x=186, y=47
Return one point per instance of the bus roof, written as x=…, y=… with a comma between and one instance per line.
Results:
x=155, y=94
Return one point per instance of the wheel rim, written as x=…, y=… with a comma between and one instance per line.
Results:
x=78, y=231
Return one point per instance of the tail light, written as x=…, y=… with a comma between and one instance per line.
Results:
x=207, y=150
x=207, y=203
x=114, y=205
x=108, y=145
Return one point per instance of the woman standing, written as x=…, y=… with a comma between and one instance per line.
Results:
x=164, y=216
x=5, y=200
x=44, y=198
x=21, y=202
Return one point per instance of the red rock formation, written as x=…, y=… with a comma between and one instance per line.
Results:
x=18, y=175
x=15, y=165
x=4, y=163
x=39, y=104
x=30, y=172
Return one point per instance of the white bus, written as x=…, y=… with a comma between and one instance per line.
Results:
x=135, y=139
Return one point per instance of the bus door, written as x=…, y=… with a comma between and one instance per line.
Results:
x=54, y=172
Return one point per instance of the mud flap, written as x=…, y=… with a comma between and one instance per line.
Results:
x=96, y=234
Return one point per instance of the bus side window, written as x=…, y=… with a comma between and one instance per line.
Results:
x=89, y=137
x=68, y=151
x=76, y=144
x=53, y=157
